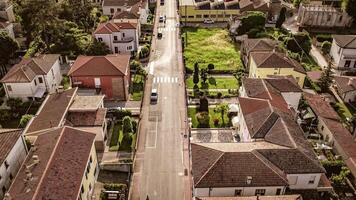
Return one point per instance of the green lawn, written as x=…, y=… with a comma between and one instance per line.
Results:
x=65, y=82
x=213, y=46
x=116, y=136
x=213, y=115
x=215, y=83
x=137, y=86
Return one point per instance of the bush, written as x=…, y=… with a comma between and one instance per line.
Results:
x=24, y=120
x=216, y=121
x=145, y=51
x=127, y=125
x=252, y=19
x=203, y=104
x=14, y=103
x=188, y=70
x=115, y=187
x=122, y=113
x=323, y=38
x=298, y=42
x=134, y=65
x=325, y=47
x=134, y=126
x=219, y=95
x=211, y=67
x=254, y=33
x=203, y=119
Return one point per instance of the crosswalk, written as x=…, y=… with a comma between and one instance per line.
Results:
x=166, y=29
x=165, y=79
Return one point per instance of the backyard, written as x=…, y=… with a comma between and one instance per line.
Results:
x=214, y=116
x=136, y=87
x=211, y=46
x=118, y=141
x=216, y=82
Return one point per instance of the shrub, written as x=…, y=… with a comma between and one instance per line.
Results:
x=211, y=66
x=134, y=65
x=203, y=119
x=24, y=120
x=145, y=51
x=219, y=95
x=14, y=103
x=252, y=19
x=325, y=47
x=115, y=187
x=324, y=37
x=203, y=104
x=298, y=42
x=122, y=113
x=188, y=70
x=255, y=32
x=134, y=126
x=127, y=125
x=216, y=121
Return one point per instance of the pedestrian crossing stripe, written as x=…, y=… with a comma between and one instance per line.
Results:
x=167, y=29
x=165, y=79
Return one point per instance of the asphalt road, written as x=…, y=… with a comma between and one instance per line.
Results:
x=160, y=161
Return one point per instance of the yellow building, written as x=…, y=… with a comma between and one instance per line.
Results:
x=62, y=164
x=267, y=64
x=218, y=10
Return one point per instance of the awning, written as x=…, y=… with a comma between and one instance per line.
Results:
x=233, y=108
x=39, y=92
x=235, y=121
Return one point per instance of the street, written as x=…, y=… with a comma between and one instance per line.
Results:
x=160, y=160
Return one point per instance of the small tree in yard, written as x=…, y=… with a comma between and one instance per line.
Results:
x=7, y=48
x=14, y=103
x=253, y=19
x=325, y=47
x=203, y=104
x=281, y=17
x=204, y=75
x=222, y=108
x=325, y=79
x=196, y=74
x=127, y=125
x=24, y=120
x=134, y=64
x=211, y=67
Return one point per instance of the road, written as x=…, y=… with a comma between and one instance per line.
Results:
x=161, y=156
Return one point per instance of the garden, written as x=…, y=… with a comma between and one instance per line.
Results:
x=215, y=82
x=138, y=77
x=211, y=46
x=123, y=132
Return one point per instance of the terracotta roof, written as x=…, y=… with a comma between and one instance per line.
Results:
x=275, y=60
x=120, y=2
x=256, y=88
x=8, y=139
x=63, y=154
x=258, y=44
x=220, y=169
x=279, y=197
x=283, y=84
x=125, y=15
x=345, y=41
x=94, y=118
x=52, y=111
x=345, y=83
x=29, y=68
x=109, y=65
x=112, y=27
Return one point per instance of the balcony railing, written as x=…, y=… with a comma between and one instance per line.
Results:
x=124, y=40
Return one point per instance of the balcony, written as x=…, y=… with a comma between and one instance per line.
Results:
x=124, y=40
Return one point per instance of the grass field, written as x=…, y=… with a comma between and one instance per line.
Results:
x=213, y=46
x=213, y=115
x=136, y=89
x=215, y=83
x=116, y=136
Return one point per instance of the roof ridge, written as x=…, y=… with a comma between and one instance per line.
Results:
x=264, y=122
x=90, y=58
x=21, y=67
x=289, y=135
x=39, y=66
x=268, y=163
x=113, y=64
x=352, y=39
x=270, y=54
x=312, y=160
x=265, y=86
x=206, y=172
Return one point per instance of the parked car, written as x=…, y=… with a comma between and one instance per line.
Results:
x=159, y=34
x=154, y=95
x=208, y=21
x=161, y=19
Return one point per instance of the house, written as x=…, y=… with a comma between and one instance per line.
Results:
x=197, y=11
x=264, y=64
x=322, y=16
x=343, y=52
x=33, y=77
x=333, y=132
x=67, y=108
x=286, y=87
x=7, y=18
x=269, y=141
x=13, y=152
x=254, y=5
x=108, y=74
x=138, y=7
x=255, y=45
x=120, y=37
x=346, y=88
x=62, y=164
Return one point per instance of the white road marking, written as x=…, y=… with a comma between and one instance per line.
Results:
x=165, y=79
x=151, y=67
x=155, y=137
x=176, y=80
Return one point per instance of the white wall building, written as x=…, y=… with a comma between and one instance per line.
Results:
x=343, y=52
x=33, y=77
x=120, y=37
x=139, y=7
x=13, y=152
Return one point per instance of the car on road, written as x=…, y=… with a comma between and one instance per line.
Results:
x=208, y=21
x=161, y=19
x=159, y=34
x=154, y=95
x=162, y=2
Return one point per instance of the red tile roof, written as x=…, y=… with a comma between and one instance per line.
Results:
x=63, y=155
x=8, y=139
x=94, y=118
x=109, y=65
x=111, y=27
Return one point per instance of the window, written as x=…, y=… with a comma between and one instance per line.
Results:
x=355, y=64
x=278, y=191
x=129, y=47
x=339, y=50
x=220, y=16
x=297, y=79
x=197, y=16
x=90, y=159
x=312, y=180
x=212, y=16
x=329, y=17
x=293, y=180
x=9, y=88
x=6, y=164
x=35, y=81
x=115, y=38
x=82, y=189
x=347, y=63
x=116, y=50
x=100, y=39
x=11, y=177
x=118, y=9
x=322, y=128
x=340, y=18
x=52, y=73
x=238, y=192
x=260, y=192
x=112, y=10
x=40, y=80
x=206, y=16
x=95, y=171
x=3, y=189
x=123, y=35
x=190, y=16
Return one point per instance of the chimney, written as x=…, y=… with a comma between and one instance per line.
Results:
x=248, y=180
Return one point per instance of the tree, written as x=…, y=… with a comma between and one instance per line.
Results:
x=144, y=52
x=350, y=7
x=127, y=125
x=239, y=74
x=97, y=48
x=325, y=79
x=253, y=19
x=7, y=48
x=325, y=47
x=196, y=74
x=204, y=75
x=222, y=108
x=203, y=104
x=211, y=66
x=203, y=119
x=25, y=119
x=298, y=42
x=353, y=123
x=281, y=18
x=14, y=103
x=134, y=65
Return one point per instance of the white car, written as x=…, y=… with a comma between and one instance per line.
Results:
x=161, y=19
x=208, y=21
x=154, y=95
